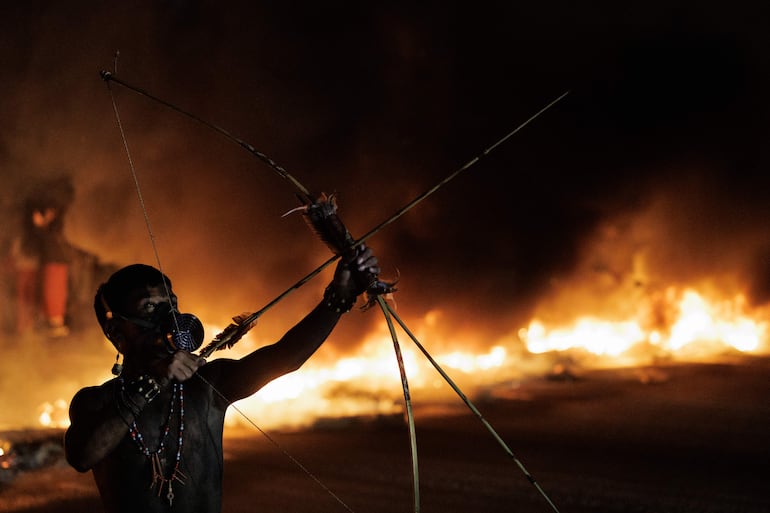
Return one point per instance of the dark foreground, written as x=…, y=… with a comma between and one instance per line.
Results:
x=680, y=438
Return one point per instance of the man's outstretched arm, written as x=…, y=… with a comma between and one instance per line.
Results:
x=237, y=379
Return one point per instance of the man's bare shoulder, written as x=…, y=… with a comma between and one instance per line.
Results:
x=93, y=395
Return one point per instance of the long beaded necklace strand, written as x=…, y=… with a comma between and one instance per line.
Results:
x=158, y=479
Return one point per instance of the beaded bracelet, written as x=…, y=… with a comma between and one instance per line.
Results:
x=335, y=303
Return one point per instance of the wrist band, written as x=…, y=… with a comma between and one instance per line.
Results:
x=336, y=303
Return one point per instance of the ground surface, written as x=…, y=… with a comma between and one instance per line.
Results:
x=673, y=438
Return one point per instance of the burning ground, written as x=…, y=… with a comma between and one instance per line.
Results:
x=688, y=438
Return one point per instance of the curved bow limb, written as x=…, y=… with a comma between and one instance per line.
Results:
x=407, y=402
x=302, y=191
x=471, y=406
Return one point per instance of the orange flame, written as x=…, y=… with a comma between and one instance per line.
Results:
x=700, y=328
x=54, y=414
x=680, y=325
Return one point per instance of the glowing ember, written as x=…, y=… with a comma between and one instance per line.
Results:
x=6, y=455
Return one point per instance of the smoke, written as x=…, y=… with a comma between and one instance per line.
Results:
x=656, y=151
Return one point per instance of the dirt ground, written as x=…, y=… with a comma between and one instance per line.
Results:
x=670, y=438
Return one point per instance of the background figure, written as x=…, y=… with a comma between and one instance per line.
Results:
x=42, y=257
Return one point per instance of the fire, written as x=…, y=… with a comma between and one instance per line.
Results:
x=467, y=362
x=54, y=414
x=699, y=328
x=368, y=384
x=351, y=386
x=594, y=335
x=723, y=322
x=676, y=324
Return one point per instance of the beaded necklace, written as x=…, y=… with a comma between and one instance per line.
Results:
x=158, y=477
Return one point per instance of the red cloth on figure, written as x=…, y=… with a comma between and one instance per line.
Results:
x=55, y=276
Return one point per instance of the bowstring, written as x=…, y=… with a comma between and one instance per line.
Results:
x=138, y=189
x=156, y=253
x=277, y=445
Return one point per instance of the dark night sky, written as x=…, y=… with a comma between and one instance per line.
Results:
x=379, y=101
